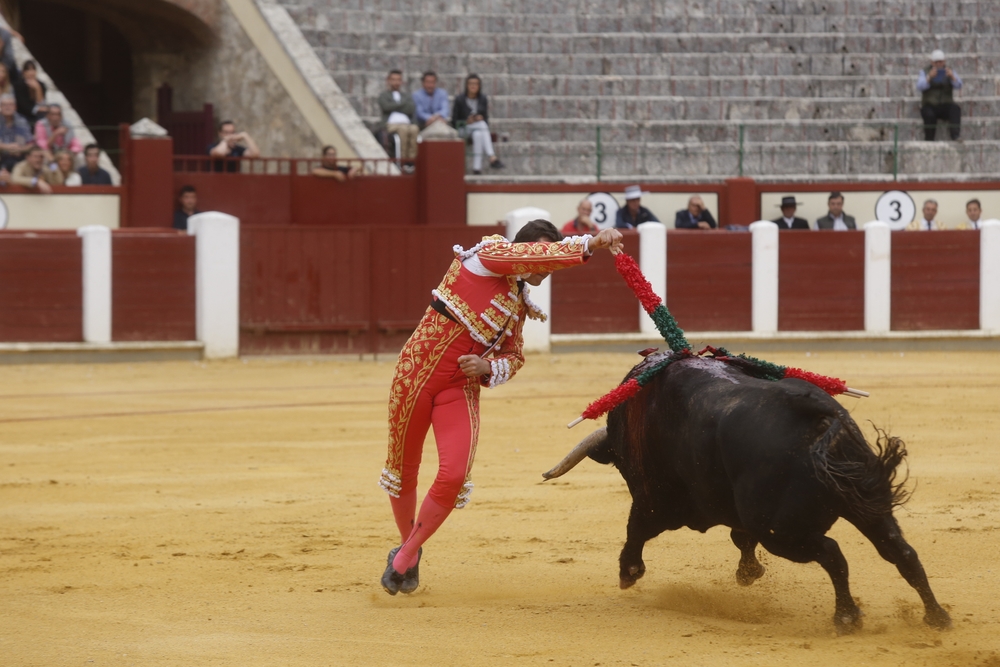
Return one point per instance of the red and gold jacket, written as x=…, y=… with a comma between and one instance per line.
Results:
x=480, y=290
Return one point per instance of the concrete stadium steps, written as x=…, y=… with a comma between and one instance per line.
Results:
x=664, y=65
x=759, y=159
x=417, y=42
x=363, y=86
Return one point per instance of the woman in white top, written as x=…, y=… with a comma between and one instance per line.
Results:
x=64, y=165
x=469, y=115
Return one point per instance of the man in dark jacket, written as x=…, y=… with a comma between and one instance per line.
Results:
x=633, y=213
x=836, y=219
x=695, y=216
x=936, y=83
x=788, y=219
x=397, y=115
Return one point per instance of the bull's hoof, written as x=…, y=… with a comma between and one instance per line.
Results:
x=938, y=618
x=848, y=622
x=628, y=577
x=746, y=574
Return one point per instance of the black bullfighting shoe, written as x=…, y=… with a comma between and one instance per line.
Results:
x=412, y=577
x=392, y=580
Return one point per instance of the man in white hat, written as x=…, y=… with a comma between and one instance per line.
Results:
x=633, y=213
x=936, y=83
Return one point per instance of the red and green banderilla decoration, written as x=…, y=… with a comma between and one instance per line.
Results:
x=678, y=343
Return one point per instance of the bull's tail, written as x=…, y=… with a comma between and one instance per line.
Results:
x=862, y=476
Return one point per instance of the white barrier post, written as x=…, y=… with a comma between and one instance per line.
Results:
x=878, y=277
x=653, y=262
x=96, y=283
x=537, y=335
x=989, y=275
x=217, y=282
x=764, y=274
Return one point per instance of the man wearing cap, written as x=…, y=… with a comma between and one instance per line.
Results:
x=695, y=216
x=936, y=83
x=633, y=213
x=788, y=219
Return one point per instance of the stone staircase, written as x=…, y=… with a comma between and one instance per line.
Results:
x=682, y=89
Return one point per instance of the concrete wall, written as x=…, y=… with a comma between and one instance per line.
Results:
x=61, y=211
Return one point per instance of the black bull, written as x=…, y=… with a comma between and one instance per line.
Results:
x=706, y=444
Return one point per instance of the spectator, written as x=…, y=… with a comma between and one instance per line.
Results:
x=836, y=219
x=929, y=212
x=582, y=224
x=30, y=94
x=15, y=133
x=90, y=172
x=232, y=144
x=51, y=134
x=7, y=49
x=788, y=219
x=469, y=116
x=187, y=205
x=974, y=211
x=64, y=172
x=695, y=216
x=32, y=172
x=633, y=213
x=328, y=167
x=936, y=83
x=6, y=86
x=431, y=102
x=397, y=115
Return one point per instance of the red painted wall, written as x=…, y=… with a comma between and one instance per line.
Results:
x=708, y=280
x=935, y=280
x=41, y=287
x=152, y=285
x=821, y=281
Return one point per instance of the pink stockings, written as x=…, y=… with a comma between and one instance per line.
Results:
x=431, y=517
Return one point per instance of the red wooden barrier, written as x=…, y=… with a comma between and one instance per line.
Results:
x=821, y=281
x=708, y=280
x=364, y=201
x=935, y=280
x=593, y=298
x=152, y=286
x=41, y=287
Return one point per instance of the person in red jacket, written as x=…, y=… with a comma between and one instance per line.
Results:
x=470, y=337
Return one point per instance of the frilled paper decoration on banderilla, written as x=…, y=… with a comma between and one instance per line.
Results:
x=674, y=335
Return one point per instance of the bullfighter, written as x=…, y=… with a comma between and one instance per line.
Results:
x=470, y=337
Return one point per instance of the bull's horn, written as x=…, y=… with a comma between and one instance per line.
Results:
x=579, y=453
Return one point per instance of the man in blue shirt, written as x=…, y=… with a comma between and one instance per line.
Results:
x=15, y=133
x=431, y=101
x=91, y=173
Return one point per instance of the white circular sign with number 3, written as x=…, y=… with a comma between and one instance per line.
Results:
x=896, y=208
x=605, y=209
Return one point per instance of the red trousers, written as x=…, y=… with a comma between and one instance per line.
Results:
x=428, y=389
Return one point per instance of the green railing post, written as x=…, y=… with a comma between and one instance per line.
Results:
x=599, y=153
x=741, y=149
x=895, y=152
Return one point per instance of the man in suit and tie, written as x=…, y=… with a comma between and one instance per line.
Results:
x=836, y=219
x=695, y=216
x=788, y=219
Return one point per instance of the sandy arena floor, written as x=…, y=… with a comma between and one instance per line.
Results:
x=228, y=514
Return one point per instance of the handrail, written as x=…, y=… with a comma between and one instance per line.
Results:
x=285, y=166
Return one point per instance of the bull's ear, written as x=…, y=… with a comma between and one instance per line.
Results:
x=648, y=351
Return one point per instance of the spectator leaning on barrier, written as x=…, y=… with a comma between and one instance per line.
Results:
x=695, y=216
x=187, y=205
x=974, y=211
x=633, y=213
x=15, y=134
x=32, y=172
x=836, y=219
x=328, y=167
x=936, y=84
x=581, y=224
x=90, y=172
x=30, y=93
x=929, y=212
x=52, y=134
x=431, y=102
x=64, y=172
x=398, y=111
x=788, y=220
x=232, y=144
x=469, y=116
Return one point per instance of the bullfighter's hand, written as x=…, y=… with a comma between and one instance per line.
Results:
x=607, y=238
x=473, y=365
